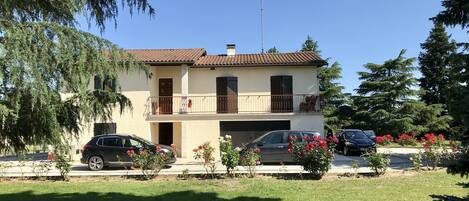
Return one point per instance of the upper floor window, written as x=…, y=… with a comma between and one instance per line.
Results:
x=107, y=84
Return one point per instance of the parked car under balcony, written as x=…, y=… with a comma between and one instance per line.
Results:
x=273, y=145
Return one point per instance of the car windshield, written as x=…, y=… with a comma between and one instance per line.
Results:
x=143, y=140
x=356, y=135
x=369, y=133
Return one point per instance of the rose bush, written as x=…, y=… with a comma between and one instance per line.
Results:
x=205, y=153
x=229, y=155
x=407, y=139
x=250, y=159
x=378, y=162
x=313, y=154
x=149, y=162
x=433, y=149
x=384, y=140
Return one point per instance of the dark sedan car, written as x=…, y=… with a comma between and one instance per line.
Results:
x=354, y=140
x=111, y=150
x=273, y=145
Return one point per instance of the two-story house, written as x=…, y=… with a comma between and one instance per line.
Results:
x=189, y=97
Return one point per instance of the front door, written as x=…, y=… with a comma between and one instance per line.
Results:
x=166, y=96
x=165, y=134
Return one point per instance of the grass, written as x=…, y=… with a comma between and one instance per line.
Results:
x=423, y=186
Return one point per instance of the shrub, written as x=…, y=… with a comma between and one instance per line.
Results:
x=314, y=155
x=229, y=155
x=4, y=166
x=332, y=142
x=378, y=162
x=433, y=149
x=149, y=162
x=249, y=159
x=355, y=167
x=41, y=168
x=204, y=153
x=416, y=160
x=407, y=139
x=384, y=140
x=62, y=161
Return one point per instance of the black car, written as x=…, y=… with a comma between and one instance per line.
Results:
x=111, y=150
x=354, y=140
x=273, y=145
x=371, y=134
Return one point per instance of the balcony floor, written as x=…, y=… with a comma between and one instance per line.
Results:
x=227, y=116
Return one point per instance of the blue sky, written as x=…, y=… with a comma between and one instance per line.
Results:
x=350, y=32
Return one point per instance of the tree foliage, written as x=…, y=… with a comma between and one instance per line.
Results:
x=310, y=45
x=273, y=50
x=435, y=65
x=330, y=89
x=44, y=57
x=456, y=13
x=386, y=103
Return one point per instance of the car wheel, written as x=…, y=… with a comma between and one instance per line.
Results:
x=95, y=163
x=346, y=151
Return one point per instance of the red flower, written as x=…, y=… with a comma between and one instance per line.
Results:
x=441, y=137
x=257, y=150
x=200, y=147
x=290, y=150
x=131, y=153
x=305, y=138
x=195, y=150
x=158, y=148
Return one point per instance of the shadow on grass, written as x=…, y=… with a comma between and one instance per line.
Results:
x=451, y=197
x=91, y=196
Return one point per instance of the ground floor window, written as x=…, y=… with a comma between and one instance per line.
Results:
x=244, y=132
x=104, y=128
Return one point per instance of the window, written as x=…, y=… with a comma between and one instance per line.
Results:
x=132, y=143
x=295, y=134
x=104, y=128
x=112, y=142
x=281, y=90
x=107, y=84
x=227, y=94
x=275, y=138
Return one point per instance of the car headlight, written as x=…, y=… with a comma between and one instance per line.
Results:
x=348, y=144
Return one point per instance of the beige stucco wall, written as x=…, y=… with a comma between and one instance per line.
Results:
x=135, y=86
x=199, y=132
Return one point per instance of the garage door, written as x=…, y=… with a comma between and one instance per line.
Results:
x=244, y=132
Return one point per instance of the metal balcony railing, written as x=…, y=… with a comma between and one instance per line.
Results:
x=241, y=104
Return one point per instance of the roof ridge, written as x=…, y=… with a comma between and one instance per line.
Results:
x=152, y=49
x=280, y=53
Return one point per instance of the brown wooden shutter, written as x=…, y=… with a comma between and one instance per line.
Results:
x=227, y=94
x=281, y=90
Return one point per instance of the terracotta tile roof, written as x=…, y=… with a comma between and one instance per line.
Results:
x=168, y=56
x=197, y=57
x=279, y=59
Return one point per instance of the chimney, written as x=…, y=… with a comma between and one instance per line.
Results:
x=230, y=49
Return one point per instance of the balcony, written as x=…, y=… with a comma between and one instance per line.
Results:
x=240, y=104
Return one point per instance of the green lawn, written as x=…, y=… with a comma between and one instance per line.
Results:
x=419, y=187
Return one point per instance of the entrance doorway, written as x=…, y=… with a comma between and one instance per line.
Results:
x=165, y=133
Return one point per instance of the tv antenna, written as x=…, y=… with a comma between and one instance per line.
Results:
x=262, y=26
